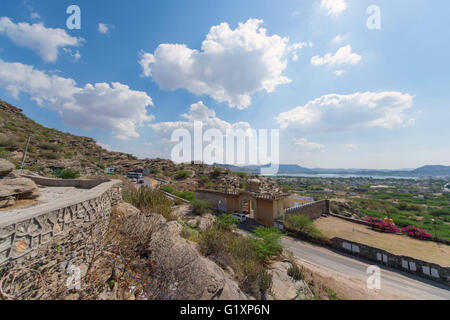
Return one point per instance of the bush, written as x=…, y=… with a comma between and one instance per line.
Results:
x=267, y=243
x=227, y=221
x=242, y=174
x=180, y=175
x=380, y=224
x=200, y=207
x=155, y=171
x=4, y=153
x=49, y=155
x=68, y=174
x=168, y=189
x=147, y=200
x=216, y=173
x=295, y=272
x=302, y=223
x=49, y=146
x=417, y=233
x=186, y=195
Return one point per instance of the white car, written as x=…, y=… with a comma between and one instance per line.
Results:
x=133, y=180
x=240, y=216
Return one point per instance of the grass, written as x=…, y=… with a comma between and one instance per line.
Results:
x=302, y=223
x=199, y=207
x=68, y=174
x=186, y=195
x=148, y=200
x=247, y=256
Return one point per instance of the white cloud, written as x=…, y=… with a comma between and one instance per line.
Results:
x=351, y=146
x=35, y=15
x=305, y=144
x=334, y=7
x=104, y=28
x=230, y=67
x=344, y=55
x=114, y=107
x=339, y=38
x=334, y=112
x=46, y=42
x=339, y=72
x=105, y=146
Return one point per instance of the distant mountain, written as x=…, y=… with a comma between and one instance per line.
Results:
x=283, y=168
x=432, y=171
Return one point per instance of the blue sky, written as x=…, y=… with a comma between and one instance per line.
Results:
x=342, y=95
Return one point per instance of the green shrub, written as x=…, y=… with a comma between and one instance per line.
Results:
x=227, y=221
x=49, y=155
x=302, y=223
x=68, y=174
x=186, y=195
x=242, y=174
x=295, y=272
x=199, y=207
x=216, y=173
x=168, y=189
x=49, y=146
x=183, y=174
x=4, y=153
x=267, y=243
x=148, y=200
x=155, y=171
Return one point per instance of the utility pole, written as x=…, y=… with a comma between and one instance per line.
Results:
x=25, y=152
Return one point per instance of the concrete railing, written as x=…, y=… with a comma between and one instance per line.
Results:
x=77, y=183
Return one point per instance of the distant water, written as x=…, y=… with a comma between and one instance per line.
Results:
x=337, y=175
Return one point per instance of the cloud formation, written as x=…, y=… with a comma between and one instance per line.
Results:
x=104, y=28
x=343, y=56
x=334, y=112
x=113, y=107
x=231, y=66
x=333, y=7
x=46, y=42
x=305, y=144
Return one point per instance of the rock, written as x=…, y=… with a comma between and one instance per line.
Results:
x=6, y=167
x=206, y=221
x=192, y=276
x=284, y=287
x=124, y=209
x=7, y=202
x=22, y=187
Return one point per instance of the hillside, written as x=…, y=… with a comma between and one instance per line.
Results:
x=432, y=171
x=51, y=149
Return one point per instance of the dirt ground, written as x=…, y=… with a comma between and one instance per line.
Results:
x=393, y=243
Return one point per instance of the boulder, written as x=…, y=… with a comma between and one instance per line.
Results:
x=124, y=209
x=178, y=267
x=6, y=167
x=284, y=287
x=24, y=188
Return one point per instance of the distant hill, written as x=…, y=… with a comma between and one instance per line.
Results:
x=283, y=168
x=435, y=170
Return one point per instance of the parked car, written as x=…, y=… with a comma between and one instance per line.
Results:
x=240, y=216
x=141, y=181
x=133, y=180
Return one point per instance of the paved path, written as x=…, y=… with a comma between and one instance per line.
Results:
x=392, y=281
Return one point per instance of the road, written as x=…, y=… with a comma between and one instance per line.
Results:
x=392, y=281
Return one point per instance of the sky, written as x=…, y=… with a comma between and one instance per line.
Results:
x=347, y=83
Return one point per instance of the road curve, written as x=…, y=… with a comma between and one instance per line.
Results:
x=393, y=281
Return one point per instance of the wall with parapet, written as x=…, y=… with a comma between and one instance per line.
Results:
x=22, y=236
x=313, y=210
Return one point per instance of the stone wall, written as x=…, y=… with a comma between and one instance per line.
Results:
x=313, y=210
x=77, y=183
x=27, y=236
x=411, y=265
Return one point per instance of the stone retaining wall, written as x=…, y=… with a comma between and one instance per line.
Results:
x=77, y=183
x=22, y=236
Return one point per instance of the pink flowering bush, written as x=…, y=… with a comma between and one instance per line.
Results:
x=417, y=233
x=380, y=224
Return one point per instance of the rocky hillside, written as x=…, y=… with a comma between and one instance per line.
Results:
x=50, y=150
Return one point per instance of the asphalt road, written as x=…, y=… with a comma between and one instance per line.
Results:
x=393, y=281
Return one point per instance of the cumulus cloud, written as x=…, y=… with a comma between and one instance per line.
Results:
x=334, y=112
x=305, y=144
x=339, y=72
x=114, y=107
x=333, y=7
x=343, y=56
x=339, y=38
x=104, y=28
x=230, y=67
x=105, y=146
x=46, y=42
